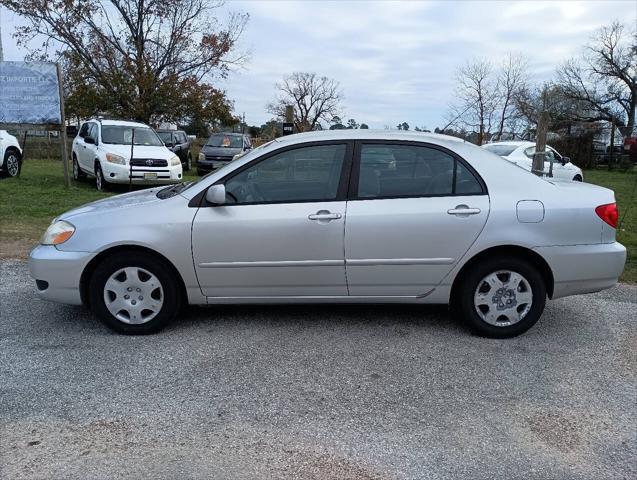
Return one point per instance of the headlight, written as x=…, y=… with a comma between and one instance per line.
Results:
x=174, y=161
x=57, y=233
x=118, y=159
x=202, y=156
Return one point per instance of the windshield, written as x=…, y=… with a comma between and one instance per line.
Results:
x=121, y=135
x=225, y=141
x=166, y=137
x=502, y=150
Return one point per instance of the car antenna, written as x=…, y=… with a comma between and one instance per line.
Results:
x=130, y=162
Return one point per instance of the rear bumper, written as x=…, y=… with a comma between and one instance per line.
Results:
x=58, y=273
x=584, y=268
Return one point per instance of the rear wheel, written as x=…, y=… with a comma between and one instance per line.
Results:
x=134, y=293
x=12, y=163
x=501, y=298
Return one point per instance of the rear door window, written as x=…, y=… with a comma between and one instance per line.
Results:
x=394, y=170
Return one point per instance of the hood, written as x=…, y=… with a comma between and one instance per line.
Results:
x=221, y=151
x=139, y=151
x=126, y=200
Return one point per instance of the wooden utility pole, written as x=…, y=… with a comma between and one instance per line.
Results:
x=540, y=139
x=65, y=154
x=611, y=153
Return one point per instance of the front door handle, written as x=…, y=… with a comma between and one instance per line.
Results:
x=463, y=210
x=324, y=215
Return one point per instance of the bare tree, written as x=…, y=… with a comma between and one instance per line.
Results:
x=314, y=98
x=604, y=79
x=477, y=94
x=136, y=58
x=511, y=81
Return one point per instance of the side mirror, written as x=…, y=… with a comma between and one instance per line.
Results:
x=90, y=140
x=169, y=144
x=216, y=194
x=565, y=160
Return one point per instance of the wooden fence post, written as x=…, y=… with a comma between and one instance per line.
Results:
x=65, y=155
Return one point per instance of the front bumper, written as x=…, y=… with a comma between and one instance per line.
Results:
x=584, y=268
x=58, y=273
x=210, y=165
x=114, y=173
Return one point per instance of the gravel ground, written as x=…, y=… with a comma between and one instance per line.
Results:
x=329, y=392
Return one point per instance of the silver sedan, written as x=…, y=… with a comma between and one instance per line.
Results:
x=339, y=217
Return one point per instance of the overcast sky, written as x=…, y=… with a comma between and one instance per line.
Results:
x=395, y=60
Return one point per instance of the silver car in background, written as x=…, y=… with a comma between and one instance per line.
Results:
x=346, y=216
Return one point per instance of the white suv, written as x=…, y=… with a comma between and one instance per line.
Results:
x=102, y=149
x=10, y=154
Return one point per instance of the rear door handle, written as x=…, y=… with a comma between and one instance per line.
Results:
x=324, y=215
x=462, y=210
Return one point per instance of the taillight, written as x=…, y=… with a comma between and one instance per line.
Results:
x=609, y=213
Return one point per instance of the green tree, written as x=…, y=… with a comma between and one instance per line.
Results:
x=148, y=60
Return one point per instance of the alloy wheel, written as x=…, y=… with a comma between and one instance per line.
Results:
x=12, y=165
x=133, y=295
x=503, y=298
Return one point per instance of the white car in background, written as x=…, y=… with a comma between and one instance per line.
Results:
x=10, y=154
x=521, y=153
x=102, y=149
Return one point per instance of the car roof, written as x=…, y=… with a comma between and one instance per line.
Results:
x=513, y=143
x=366, y=134
x=121, y=123
x=228, y=134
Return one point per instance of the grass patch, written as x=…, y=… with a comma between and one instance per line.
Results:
x=624, y=184
x=30, y=202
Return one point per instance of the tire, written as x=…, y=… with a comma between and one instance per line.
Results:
x=148, y=282
x=577, y=178
x=78, y=174
x=12, y=163
x=480, y=304
x=188, y=165
x=100, y=183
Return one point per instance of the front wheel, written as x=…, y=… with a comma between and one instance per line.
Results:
x=100, y=182
x=134, y=293
x=12, y=163
x=577, y=178
x=501, y=298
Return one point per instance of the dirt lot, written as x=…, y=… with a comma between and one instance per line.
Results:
x=330, y=392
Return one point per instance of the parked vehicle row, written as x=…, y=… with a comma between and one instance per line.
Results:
x=102, y=150
x=343, y=216
x=10, y=154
